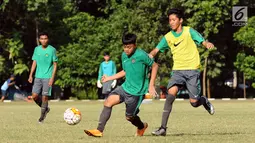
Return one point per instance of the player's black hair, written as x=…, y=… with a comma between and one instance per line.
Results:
x=129, y=38
x=178, y=12
x=106, y=54
x=43, y=33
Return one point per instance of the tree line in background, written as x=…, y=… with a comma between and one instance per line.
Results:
x=82, y=30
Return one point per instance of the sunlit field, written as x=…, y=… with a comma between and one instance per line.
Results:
x=234, y=121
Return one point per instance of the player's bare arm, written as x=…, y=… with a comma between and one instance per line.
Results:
x=208, y=45
x=154, y=71
x=12, y=83
x=53, y=73
x=154, y=52
x=116, y=76
x=30, y=79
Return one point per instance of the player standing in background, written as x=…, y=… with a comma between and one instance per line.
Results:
x=45, y=63
x=106, y=68
x=182, y=41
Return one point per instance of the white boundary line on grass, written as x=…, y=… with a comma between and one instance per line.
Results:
x=241, y=98
x=54, y=100
x=177, y=99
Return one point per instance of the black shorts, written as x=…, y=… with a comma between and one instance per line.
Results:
x=132, y=102
x=189, y=79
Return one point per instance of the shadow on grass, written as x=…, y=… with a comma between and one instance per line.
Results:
x=199, y=134
x=180, y=134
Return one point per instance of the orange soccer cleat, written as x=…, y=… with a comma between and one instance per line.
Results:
x=141, y=132
x=94, y=133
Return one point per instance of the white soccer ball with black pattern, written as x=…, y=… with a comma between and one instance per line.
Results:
x=72, y=116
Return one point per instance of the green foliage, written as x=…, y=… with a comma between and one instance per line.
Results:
x=2, y=60
x=33, y=5
x=81, y=39
x=245, y=60
x=245, y=36
x=15, y=47
x=89, y=93
x=208, y=15
x=91, y=36
x=79, y=59
x=20, y=68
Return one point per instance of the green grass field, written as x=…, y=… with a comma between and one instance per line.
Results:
x=234, y=121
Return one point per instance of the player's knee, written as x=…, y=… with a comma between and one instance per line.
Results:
x=173, y=90
x=194, y=104
x=130, y=118
x=107, y=103
x=44, y=98
x=34, y=96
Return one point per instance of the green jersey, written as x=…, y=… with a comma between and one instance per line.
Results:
x=44, y=61
x=136, y=68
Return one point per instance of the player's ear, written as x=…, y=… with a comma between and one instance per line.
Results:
x=181, y=20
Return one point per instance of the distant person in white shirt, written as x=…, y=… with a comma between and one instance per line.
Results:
x=9, y=82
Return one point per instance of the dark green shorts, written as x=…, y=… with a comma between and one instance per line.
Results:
x=189, y=79
x=132, y=102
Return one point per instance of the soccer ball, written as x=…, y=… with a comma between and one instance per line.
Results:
x=72, y=116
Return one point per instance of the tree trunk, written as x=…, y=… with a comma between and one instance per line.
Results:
x=37, y=32
x=244, y=88
x=67, y=93
x=208, y=88
x=204, y=77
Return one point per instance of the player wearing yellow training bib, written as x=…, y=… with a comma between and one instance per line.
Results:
x=183, y=48
x=182, y=41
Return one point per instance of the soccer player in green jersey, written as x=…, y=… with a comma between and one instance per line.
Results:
x=135, y=64
x=45, y=63
x=182, y=41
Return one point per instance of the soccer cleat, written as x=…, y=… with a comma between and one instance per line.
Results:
x=140, y=133
x=159, y=132
x=94, y=133
x=41, y=119
x=209, y=107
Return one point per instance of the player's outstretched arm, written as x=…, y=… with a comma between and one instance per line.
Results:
x=116, y=76
x=12, y=83
x=154, y=71
x=153, y=53
x=208, y=45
